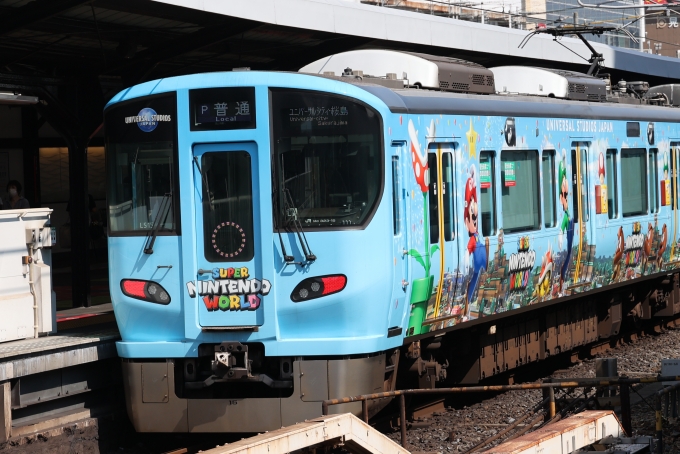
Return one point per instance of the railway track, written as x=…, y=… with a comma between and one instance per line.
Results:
x=469, y=420
x=457, y=424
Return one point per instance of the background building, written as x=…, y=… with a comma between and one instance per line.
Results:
x=663, y=33
x=531, y=14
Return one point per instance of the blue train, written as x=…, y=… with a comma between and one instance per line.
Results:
x=278, y=239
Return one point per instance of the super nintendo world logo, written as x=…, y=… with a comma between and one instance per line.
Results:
x=230, y=290
x=147, y=119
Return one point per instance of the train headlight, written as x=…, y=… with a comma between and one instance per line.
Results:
x=149, y=291
x=316, y=287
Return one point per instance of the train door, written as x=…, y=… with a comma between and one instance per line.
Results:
x=227, y=220
x=442, y=249
x=583, y=258
x=400, y=220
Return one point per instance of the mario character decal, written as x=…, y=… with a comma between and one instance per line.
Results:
x=616, y=263
x=478, y=252
x=567, y=225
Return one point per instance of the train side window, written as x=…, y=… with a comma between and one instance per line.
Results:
x=634, y=173
x=520, y=190
x=487, y=169
x=433, y=196
x=396, y=191
x=653, y=180
x=549, y=196
x=612, y=187
x=447, y=179
x=633, y=129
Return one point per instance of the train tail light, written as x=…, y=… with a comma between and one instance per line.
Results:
x=149, y=291
x=316, y=287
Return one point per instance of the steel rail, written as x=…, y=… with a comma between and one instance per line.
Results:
x=550, y=387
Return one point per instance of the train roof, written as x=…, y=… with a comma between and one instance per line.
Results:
x=418, y=101
x=415, y=101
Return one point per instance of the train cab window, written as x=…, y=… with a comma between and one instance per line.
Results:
x=142, y=172
x=328, y=159
x=487, y=190
x=549, y=188
x=520, y=190
x=227, y=206
x=634, y=176
x=396, y=197
x=612, y=186
x=653, y=180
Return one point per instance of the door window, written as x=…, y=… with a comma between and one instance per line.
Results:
x=227, y=206
x=487, y=180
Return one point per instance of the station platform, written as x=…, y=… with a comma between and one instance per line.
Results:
x=58, y=378
x=31, y=356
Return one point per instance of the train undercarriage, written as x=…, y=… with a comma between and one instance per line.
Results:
x=234, y=387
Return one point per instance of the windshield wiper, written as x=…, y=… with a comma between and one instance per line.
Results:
x=291, y=212
x=163, y=212
x=205, y=182
x=287, y=258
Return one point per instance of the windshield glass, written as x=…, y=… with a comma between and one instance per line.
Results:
x=328, y=159
x=141, y=166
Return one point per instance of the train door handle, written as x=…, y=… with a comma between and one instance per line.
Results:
x=404, y=284
x=202, y=271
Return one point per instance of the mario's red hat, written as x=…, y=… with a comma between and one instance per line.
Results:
x=470, y=194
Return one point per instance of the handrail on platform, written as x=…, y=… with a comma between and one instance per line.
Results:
x=622, y=382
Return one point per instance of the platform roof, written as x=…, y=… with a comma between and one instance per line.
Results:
x=123, y=42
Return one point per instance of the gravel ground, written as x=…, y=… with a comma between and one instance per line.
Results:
x=459, y=429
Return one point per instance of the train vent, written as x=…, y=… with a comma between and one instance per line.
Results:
x=414, y=69
x=549, y=82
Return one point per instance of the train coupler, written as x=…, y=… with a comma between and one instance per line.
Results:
x=231, y=364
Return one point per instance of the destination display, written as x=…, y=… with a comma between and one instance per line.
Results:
x=222, y=108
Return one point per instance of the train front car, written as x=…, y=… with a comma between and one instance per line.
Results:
x=250, y=272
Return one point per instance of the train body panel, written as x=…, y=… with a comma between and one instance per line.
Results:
x=266, y=226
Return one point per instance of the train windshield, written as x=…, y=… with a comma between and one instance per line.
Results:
x=141, y=166
x=328, y=159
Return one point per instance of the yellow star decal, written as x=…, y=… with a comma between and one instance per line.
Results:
x=472, y=140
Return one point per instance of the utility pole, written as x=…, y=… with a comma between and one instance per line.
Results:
x=643, y=32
